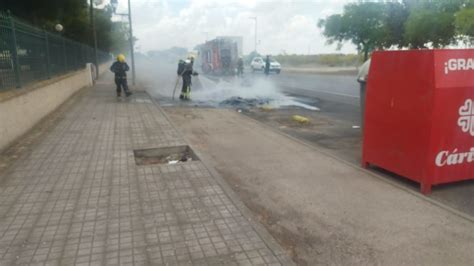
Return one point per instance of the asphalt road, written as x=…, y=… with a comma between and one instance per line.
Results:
x=334, y=88
x=336, y=95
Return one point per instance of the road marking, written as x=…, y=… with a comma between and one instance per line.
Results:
x=327, y=92
x=339, y=94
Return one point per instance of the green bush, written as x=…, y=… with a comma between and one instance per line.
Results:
x=331, y=60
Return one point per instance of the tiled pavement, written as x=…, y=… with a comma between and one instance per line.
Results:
x=79, y=198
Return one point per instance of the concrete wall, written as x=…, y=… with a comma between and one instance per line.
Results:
x=21, y=109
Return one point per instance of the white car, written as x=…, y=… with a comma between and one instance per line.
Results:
x=258, y=64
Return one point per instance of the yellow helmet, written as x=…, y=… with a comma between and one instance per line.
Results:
x=121, y=58
x=191, y=55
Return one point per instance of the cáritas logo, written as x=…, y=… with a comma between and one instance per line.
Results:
x=454, y=157
x=458, y=64
x=466, y=122
x=466, y=117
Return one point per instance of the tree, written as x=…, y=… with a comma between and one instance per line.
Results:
x=450, y=6
x=75, y=17
x=464, y=22
x=72, y=14
x=119, y=38
x=106, y=32
x=428, y=26
x=395, y=17
x=365, y=24
x=431, y=22
x=409, y=23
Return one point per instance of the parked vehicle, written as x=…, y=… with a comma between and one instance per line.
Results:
x=258, y=64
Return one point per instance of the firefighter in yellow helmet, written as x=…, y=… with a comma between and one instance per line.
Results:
x=185, y=70
x=120, y=68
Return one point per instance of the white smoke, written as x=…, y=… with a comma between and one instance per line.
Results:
x=161, y=79
x=262, y=88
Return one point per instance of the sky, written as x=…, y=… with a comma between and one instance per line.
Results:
x=283, y=26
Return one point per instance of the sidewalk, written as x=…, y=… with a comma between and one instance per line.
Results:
x=79, y=197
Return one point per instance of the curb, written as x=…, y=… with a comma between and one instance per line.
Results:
x=267, y=238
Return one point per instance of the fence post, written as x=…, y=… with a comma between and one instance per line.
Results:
x=48, y=62
x=16, y=60
x=84, y=54
x=64, y=54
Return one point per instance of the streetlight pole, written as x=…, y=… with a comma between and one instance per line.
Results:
x=132, y=55
x=255, y=18
x=131, y=42
x=94, y=36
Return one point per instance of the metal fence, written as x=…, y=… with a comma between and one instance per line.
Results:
x=29, y=54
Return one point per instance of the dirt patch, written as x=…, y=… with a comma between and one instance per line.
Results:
x=291, y=241
x=320, y=244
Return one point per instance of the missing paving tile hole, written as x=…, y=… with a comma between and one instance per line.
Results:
x=166, y=155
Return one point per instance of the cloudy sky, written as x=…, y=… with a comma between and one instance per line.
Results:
x=283, y=25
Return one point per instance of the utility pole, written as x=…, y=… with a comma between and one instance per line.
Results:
x=131, y=42
x=255, y=18
x=94, y=36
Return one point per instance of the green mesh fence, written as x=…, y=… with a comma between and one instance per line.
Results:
x=29, y=54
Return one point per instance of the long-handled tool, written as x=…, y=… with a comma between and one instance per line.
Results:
x=176, y=85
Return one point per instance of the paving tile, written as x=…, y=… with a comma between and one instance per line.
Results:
x=79, y=198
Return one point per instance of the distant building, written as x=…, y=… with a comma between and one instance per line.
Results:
x=238, y=39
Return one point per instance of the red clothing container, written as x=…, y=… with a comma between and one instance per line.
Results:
x=419, y=115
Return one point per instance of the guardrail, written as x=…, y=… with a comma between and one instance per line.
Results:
x=29, y=54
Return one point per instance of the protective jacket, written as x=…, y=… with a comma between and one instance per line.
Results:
x=120, y=69
x=185, y=70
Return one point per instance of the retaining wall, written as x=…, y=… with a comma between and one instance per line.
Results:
x=21, y=109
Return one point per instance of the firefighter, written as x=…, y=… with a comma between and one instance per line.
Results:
x=120, y=68
x=267, y=65
x=185, y=70
x=240, y=67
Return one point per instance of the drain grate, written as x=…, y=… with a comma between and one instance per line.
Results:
x=141, y=100
x=166, y=155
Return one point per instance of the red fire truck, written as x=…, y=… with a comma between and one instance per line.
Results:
x=218, y=56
